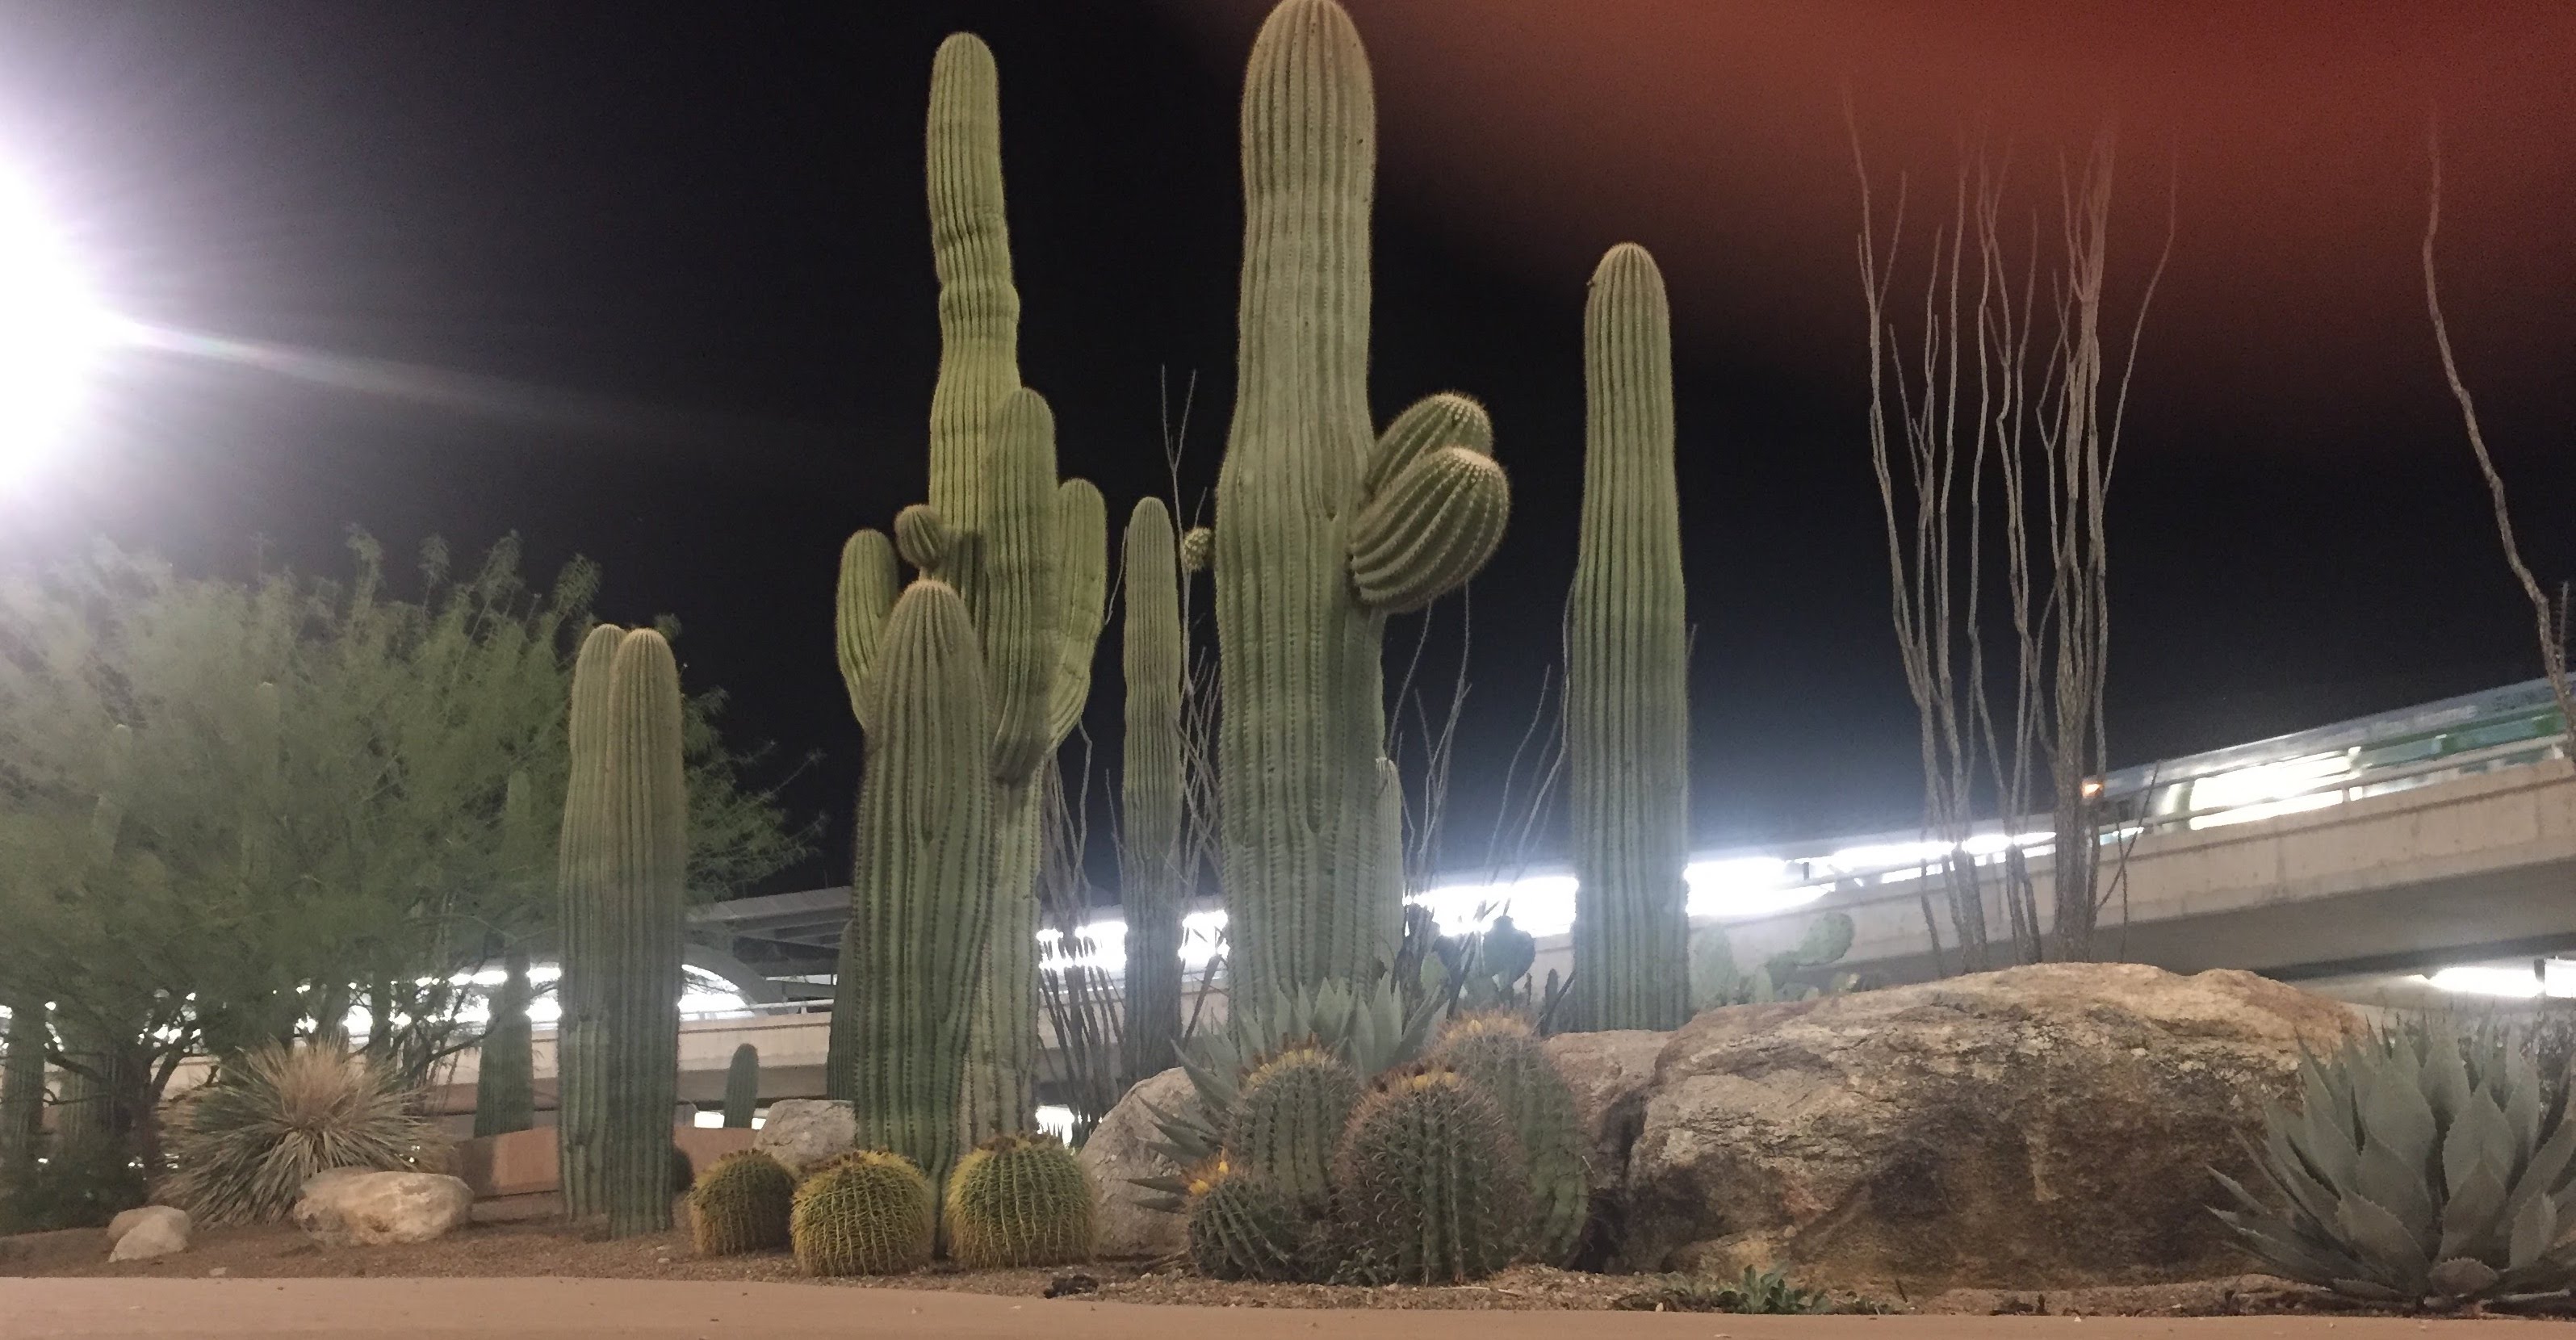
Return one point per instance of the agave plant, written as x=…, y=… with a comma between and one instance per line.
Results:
x=274, y=1116
x=2424, y=1167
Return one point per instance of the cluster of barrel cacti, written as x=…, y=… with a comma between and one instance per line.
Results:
x=1015, y=1200
x=1436, y=1170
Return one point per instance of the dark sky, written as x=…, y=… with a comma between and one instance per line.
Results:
x=666, y=277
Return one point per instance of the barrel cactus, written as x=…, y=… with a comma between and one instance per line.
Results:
x=1241, y=1226
x=2423, y=1167
x=741, y=1204
x=742, y=1087
x=1324, y=527
x=921, y=897
x=1019, y=1200
x=633, y=841
x=1026, y=554
x=1501, y=1055
x=869, y=1212
x=1627, y=691
x=1288, y=1115
x=1429, y=1180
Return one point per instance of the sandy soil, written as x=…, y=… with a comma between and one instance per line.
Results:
x=548, y=1309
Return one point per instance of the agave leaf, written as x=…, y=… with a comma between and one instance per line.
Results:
x=2396, y=1184
x=2326, y=1134
x=2382, y=1242
x=2522, y=1107
x=2377, y=1293
x=2294, y=1256
x=2396, y=1118
x=2292, y=1176
x=2548, y=1165
x=2470, y=1217
x=2479, y=1137
x=2533, y=1229
x=2243, y=1197
x=2445, y=1076
x=2554, y=1271
x=2463, y=1277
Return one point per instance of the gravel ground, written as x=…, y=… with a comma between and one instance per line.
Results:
x=547, y=1249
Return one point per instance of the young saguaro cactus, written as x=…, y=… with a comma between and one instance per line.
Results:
x=1627, y=691
x=505, y=1097
x=1149, y=847
x=1026, y=554
x=921, y=898
x=580, y=1057
x=742, y=1087
x=1323, y=527
x=641, y=852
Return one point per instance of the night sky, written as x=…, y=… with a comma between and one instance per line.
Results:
x=653, y=285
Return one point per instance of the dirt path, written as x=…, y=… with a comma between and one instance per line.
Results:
x=546, y=1309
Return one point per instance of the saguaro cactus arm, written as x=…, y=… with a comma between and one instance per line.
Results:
x=1429, y=530
x=866, y=594
x=1082, y=557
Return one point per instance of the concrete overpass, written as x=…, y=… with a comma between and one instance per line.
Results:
x=2368, y=859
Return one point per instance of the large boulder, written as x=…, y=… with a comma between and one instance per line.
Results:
x=145, y=1232
x=801, y=1132
x=2046, y=1126
x=1609, y=1073
x=350, y=1208
x=1118, y=1152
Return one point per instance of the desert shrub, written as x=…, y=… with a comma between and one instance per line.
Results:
x=274, y=1116
x=82, y=1186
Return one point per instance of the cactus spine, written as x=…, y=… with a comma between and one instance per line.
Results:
x=741, y=1205
x=1627, y=719
x=921, y=898
x=742, y=1087
x=1025, y=553
x=505, y=1097
x=579, y=1058
x=1323, y=528
x=1149, y=849
x=1019, y=1200
x=634, y=836
x=864, y=1213
x=1429, y=1179
x=1501, y=1055
x=1288, y=1117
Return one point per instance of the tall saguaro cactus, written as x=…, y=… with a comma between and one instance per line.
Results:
x=1627, y=718
x=1323, y=528
x=636, y=848
x=921, y=897
x=579, y=1058
x=1151, y=785
x=1025, y=554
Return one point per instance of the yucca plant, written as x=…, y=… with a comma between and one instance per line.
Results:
x=274, y=1116
x=2426, y=1166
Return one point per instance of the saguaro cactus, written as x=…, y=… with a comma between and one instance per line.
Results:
x=578, y=1055
x=1150, y=800
x=634, y=836
x=742, y=1087
x=1026, y=554
x=921, y=898
x=1322, y=527
x=1627, y=692
x=505, y=1071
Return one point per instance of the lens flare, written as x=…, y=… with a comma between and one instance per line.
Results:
x=52, y=330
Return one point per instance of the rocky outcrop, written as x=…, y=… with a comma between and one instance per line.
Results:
x=1118, y=1152
x=147, y=1231
x=349, y=1208
x=2046, y=1126
x=801, y=1132
x=1608, y=1072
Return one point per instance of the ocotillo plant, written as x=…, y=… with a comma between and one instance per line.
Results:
x=921, y=897
x=1323, y=527
x=1627, y=699
x=637, y=847
x=1150, y=800
x=742, y=1087
x=1026, y=554
x=579, y=1060
x=505, y=1072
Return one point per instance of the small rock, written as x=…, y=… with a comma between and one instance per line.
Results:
x=1065, y=1286
x=153, y=1230
x=802, y=1132
x=347, y=1207
x=1119, y=1151
x=219, y=1272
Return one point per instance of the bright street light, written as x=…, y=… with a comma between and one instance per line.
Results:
x=51, y=330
